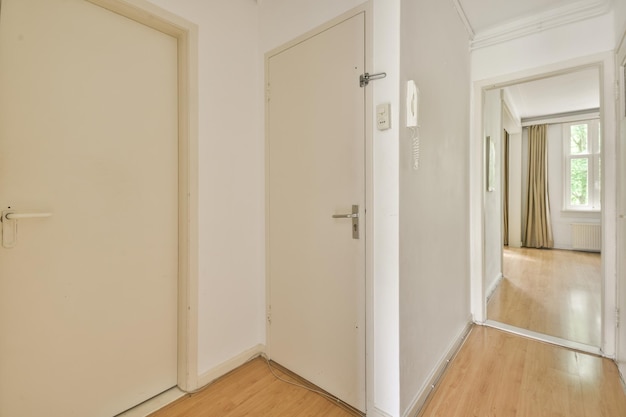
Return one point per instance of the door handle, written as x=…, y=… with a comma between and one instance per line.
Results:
x=11, y=215
x=345, y=216
x=9, y=225
x=355, y=220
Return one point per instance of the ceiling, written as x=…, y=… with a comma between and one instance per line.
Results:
x=488, y=14
x=567, y=93
x=492, y=21
x=492, y=16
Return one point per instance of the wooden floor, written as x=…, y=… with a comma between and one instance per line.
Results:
x=554, y=292
x=497, y=374
x=252, y=390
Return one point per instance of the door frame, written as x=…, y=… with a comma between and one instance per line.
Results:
x=620, y=66
x=186, y=34
x=366, y=9
x=605, y=63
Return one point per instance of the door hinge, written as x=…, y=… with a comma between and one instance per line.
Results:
x=269, y=316
x=364, y=79
x=617, y=318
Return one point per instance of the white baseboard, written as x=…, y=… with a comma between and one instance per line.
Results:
x=421, y=397
x=377, y=412
x=622, y=373
x=231, y=364
x=168, y=397
x=153, y=404
x=494, y=285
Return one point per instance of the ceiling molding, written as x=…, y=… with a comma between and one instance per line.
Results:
x=464, y=19
x=574, y=12
x=572, y=116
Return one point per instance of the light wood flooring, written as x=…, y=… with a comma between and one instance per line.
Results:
x=497, y=374
x=554, y=292
x=252, y=390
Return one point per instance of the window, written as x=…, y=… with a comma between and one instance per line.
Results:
x=582, y=179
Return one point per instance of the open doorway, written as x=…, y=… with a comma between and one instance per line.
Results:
x=542, y=244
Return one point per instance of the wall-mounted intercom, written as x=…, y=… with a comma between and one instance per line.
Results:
x=412, y=104
x=412, y=120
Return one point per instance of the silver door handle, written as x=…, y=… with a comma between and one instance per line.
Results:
x=355, y=220
x=9, y=225
x=345, y=216
x=11, y=215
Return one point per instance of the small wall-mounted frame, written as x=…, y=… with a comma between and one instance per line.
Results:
x=490, y=164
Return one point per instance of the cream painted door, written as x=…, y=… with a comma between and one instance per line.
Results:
x=88, y=133
x=316, y=169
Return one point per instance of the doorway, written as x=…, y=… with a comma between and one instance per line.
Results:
x=492, y=263
x=316, y=215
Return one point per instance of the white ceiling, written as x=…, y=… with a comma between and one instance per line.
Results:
x=493, y=16
x=565, y=93
x=488, y=14
x=491, y=21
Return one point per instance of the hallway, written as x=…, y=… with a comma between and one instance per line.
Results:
x=503, y=375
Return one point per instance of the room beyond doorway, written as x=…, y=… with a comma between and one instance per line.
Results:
x=553, y=292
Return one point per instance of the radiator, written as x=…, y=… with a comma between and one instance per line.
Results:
x=587, y=236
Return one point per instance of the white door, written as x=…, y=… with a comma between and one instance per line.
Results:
x=316, y=169
x=88, y=133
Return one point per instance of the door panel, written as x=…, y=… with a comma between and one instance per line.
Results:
x=88, y=132
x=316, y=168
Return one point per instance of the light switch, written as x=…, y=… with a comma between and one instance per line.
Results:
x=383, y=119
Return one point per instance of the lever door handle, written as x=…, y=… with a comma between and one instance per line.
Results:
x=11, y=215
x=355, y=220
x=345, y=216
x=9, y=225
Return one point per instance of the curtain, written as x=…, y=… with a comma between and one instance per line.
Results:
x=538, y=233
x=505, y=190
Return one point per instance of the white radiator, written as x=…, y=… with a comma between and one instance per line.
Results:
x=587, y=236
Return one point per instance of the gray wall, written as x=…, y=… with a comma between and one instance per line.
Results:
x=434, y=265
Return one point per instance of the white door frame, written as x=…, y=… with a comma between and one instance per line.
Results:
x=605, y=63
x=187, y=35
x=365, y=8
x=620, y=63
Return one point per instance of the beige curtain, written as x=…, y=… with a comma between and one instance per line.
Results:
x=538, y=232
x=505, y=190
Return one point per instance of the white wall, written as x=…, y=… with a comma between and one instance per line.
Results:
x=231, y=186
x=620, y=20
x=434, y=228
x=582, y=43
x=544, y=48
x=280, y=22
x=493, y=199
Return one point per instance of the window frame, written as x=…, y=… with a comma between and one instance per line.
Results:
x=594, y=159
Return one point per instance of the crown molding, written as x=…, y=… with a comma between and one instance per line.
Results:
x=464, y=19
x=571, y=13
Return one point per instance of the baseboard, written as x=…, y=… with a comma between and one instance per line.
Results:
x=377, y=412
x=231, y=364
x=494, y=285
x=420, y=399
x=153, y=404
x=621, y=367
